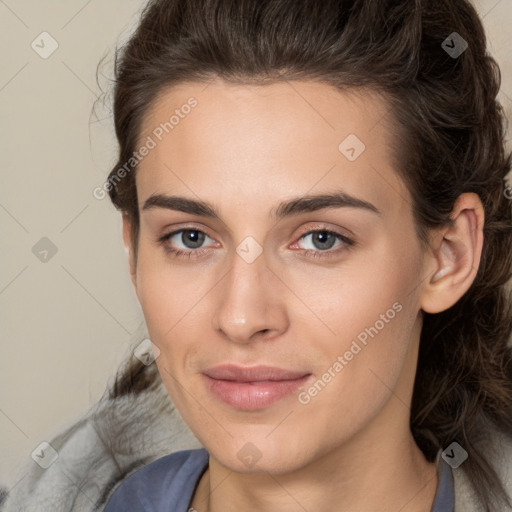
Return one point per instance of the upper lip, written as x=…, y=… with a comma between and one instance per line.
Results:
x=252, y=373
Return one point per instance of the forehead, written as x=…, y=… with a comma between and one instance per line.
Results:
x=285, y=138
x=322, y=108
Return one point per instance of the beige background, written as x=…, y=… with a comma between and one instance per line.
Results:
x=68, y=322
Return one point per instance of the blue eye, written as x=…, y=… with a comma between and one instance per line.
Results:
x=194, y=237
x=322, y=239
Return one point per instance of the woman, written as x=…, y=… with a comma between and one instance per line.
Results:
x=319, y=239
x=313, y=200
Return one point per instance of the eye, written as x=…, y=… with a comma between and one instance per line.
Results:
x=192, y=239
x=322, y=240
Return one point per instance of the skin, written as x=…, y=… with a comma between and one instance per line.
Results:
x=245, y=149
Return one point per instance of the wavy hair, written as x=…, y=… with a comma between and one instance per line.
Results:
x=449, y=138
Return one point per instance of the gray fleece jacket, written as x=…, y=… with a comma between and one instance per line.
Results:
x=127, y=429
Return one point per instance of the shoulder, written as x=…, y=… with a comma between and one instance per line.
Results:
x=117, y=436
x=165, y=484
x=499, y=453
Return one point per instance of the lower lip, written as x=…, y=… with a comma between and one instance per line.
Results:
x=252, y=396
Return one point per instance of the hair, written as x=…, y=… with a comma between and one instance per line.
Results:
x=449, y=138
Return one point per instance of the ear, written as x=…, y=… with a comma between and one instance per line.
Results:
x=127, y=240
x=455, y=255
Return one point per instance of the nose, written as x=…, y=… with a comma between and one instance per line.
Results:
x=250, y=302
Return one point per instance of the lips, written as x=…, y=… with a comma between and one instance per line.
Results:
x=252, y=374
x=252, y=388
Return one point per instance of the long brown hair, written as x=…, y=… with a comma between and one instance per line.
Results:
x=449, y=139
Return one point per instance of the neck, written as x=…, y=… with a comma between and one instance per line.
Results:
x=386, y=477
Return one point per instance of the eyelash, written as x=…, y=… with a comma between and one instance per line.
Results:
x=194, y=253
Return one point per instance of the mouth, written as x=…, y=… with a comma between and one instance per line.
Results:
x=252, y=388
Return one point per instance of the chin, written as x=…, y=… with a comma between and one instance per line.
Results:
x=259, y=455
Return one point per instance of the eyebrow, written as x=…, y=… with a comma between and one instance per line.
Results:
x=296, y=206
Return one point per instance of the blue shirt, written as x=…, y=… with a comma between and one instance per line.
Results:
x=168, y=485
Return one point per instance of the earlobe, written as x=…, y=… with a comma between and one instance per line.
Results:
x=127, y=241
x=455, y=256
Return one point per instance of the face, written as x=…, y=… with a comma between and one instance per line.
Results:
x=287, y=326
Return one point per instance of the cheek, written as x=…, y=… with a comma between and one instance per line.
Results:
x=171, y=319
x=166, y=293
x=158, y=301
x=363, y=293
x=174, y=303
x=367, y=315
